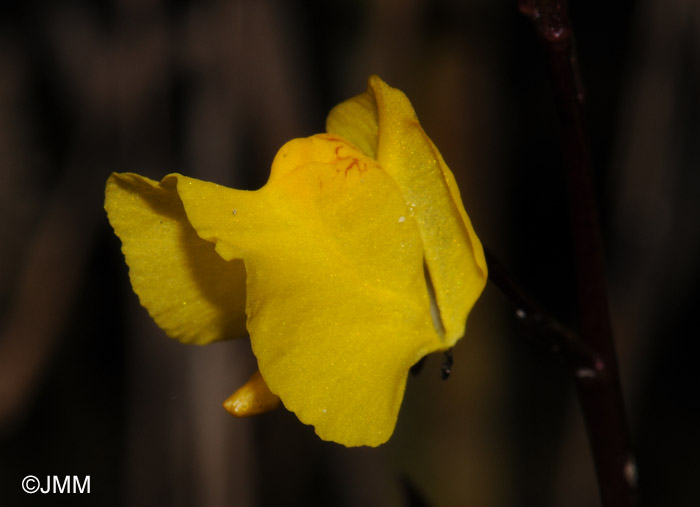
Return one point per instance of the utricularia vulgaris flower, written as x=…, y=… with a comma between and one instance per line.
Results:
x=330, y=267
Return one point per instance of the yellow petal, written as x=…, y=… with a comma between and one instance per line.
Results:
x=190, y=291
x=356, y=121
x=453, y=253
x=337, y=303
x=252, y=398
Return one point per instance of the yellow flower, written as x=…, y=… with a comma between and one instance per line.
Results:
x=329, y=267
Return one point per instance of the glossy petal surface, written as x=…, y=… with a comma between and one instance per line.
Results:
x=383, y=117
x=337, y=303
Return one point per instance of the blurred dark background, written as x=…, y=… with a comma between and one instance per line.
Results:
x=90, y=386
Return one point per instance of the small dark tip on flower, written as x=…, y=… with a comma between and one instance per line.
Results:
x=446, y=367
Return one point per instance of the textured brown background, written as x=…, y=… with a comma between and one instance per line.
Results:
x=89, y=385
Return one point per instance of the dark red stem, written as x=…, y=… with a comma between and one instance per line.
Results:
x=540, y=325
x=599, y=390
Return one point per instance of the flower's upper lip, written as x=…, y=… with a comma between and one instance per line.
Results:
x=383, y=117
